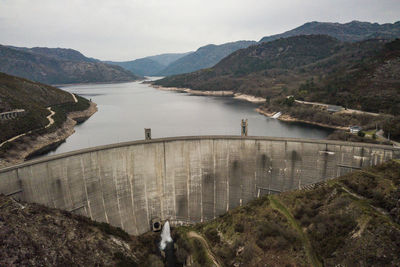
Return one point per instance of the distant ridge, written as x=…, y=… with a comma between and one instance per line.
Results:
x=350, y=32
x=209, y=55
x=205, y=57
x=58, y=66
x=171, y=64
x=149, y=66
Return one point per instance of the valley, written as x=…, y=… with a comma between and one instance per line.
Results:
x=215, y=150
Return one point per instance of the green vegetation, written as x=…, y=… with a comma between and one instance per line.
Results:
x=346, y=136
x=391, y=127
x=63, y=109
x=276, y=204
x=314, y=68
x=18, y=93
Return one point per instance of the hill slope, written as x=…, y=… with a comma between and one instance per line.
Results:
x=205, y=57
x=58, y=66
x=349, y=221
x=149, y=66
x=34, y=98
x=33, y=235
x=362, y=75
x=166, y=59
x=143, y=66
x=349, y=32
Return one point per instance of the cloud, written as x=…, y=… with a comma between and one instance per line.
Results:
x=128, y=29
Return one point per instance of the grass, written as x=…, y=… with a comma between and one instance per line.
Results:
x=279, y=206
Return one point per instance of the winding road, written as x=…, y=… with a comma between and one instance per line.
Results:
x=49, y=118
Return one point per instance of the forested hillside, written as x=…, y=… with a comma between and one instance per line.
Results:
x=362, y=75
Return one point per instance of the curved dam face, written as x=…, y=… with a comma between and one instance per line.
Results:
x=189, y=179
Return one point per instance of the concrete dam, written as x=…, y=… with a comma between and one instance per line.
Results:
x=183, y=179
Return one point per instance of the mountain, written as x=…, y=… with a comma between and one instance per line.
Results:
x=350, y=32
x=149, y=66
x=142, y=66
x=205, y=57
x=320, y=68
x=166, y=59
x=59, y=66
x=57, y=53
x=170, y=64
x=256, y=68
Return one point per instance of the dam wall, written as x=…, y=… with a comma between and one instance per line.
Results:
x=187, y=179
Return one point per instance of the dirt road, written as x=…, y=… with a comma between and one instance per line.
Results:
x=192, y=234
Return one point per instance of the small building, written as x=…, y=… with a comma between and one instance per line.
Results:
x=355, y=129
x=333, y=108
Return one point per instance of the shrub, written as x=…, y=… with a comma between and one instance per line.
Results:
x=361, y=134
x=239, y=227
x=154, y=261
x=124, y=261
x=212, y=235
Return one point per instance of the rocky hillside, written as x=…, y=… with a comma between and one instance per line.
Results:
x=205, y=57
x=353, y=220
x=59, y=66
x=349, y=32
x=35, y=98
x=361, y=75
x=33, y=235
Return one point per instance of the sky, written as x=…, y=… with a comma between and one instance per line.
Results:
x=123, y=30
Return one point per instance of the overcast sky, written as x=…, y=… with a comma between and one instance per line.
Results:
x=130, y=29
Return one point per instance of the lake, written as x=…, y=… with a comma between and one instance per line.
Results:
x=125, y=109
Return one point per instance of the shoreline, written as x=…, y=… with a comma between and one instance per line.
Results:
x=288, y=118
x=42, y=144
x=249, y=98
x=72, y=84
x=240, y=96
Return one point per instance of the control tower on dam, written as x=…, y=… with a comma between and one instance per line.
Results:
x=190, y=179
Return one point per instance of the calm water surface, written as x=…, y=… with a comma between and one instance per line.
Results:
x=125, y=109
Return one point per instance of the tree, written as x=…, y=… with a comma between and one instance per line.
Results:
x=392, y=126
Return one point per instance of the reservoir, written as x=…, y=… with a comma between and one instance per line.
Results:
x=125, y=109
